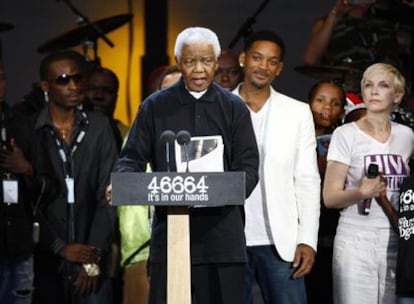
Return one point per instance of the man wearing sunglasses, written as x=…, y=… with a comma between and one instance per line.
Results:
x=71, y=263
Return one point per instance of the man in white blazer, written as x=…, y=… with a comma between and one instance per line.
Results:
x=282, y=213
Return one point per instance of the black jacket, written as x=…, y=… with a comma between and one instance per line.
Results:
x=92, y=164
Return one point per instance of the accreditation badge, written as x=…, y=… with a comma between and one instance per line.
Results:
x=10, y=191
x=70, y=186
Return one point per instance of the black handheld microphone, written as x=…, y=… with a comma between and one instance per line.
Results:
x=372, y=173
x=166, y=138
x=183, y=139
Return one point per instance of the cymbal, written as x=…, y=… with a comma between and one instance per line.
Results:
x=321, y=72
x=4, y=26
x=84, y=33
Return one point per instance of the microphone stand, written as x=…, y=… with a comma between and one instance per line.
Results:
x=246, y=28
x=187, y=157
x=84, y=19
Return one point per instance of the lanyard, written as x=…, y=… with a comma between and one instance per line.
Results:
x=3, y=137
x=67, y=160
x=3, y=131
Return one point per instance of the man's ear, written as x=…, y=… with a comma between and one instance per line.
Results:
x=176, y=62
x=280, y=68
x=44, y=85
x=242, y=59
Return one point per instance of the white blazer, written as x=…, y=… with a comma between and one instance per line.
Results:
x=291, y=176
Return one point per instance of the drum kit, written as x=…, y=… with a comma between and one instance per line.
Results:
x=349, y=74
x=85, y=35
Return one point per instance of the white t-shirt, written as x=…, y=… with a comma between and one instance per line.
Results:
x=352, y=146
x=257, y=227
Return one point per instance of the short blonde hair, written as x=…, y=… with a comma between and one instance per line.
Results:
x=398, y=79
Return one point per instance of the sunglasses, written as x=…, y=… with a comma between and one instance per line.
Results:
x=65, y=79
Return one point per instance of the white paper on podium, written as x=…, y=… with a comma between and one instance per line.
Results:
x=205, y=154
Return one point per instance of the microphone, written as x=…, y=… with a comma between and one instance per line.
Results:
x=366, y=203
x=183, y=139
x=166, y=138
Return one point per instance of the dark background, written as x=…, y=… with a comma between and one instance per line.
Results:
x=37, y=21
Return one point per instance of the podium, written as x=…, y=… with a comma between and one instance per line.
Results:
x=178, y=191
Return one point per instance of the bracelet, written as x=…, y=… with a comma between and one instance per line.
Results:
x=92, y=270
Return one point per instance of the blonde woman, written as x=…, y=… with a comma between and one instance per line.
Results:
x=365, y=247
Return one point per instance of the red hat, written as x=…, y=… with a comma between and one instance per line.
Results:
x=353, y=98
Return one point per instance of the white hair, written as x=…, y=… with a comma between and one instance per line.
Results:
x=398, y=79
x=196, y=35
